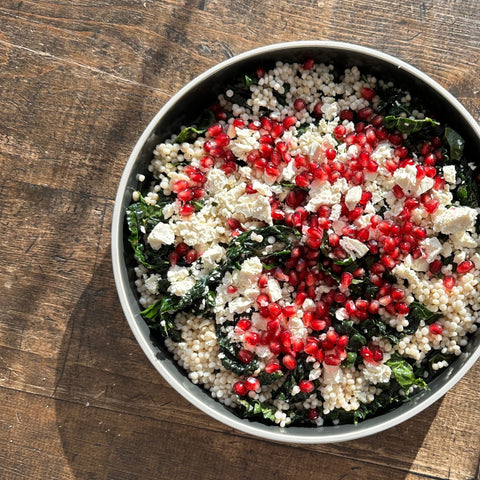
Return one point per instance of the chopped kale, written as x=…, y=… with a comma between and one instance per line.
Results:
x=403, y=373
x=417, y=313
x=282, y=97
x=455, y=144
x=141, y=218
x=200, y=298
x=408, y=125
x=230, y=358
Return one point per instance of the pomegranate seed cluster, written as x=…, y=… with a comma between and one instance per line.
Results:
x=306, y=253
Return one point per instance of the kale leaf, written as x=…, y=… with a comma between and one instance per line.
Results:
x=141, y=218
x=403, y=373
x=230, y=358
x=250, y=408
x=419, y=312
x=189, y=134
x=408, y=125
x=455, y=144
x=200, y=298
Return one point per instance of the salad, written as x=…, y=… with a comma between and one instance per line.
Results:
x=307, y=249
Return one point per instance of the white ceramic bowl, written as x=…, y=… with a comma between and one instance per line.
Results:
x=193, y=98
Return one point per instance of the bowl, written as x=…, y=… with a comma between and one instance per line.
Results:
x=197, y=95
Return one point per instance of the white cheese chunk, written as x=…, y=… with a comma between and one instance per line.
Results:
x=274, y=289
x=162, y=234
x=353, y=247
x=151, y=283
x=432, y=247
x=406, y=178
x=322, y=193
x=454, y=220
x=212, y=256
x=255, y=206
x=463, y=240
x=353, y=196
x=450, y=174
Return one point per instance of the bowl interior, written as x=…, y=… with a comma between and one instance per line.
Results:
x=182, y=110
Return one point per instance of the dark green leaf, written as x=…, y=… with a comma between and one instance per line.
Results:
x=403, y=373
x=281, y=97
x=230, y=359
x=189, y=134
x=419, y=312
x=408, y=125
x=141, y=219
x=455, y=144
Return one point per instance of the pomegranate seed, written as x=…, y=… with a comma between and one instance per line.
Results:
x=240, y=389
x=435, y=267
x=309, y=63
x=431, y=206
x=317, y=110
x=438, y=183
x=273, y=366
x=252, y=384
x=206, y=162
x=449, y=282
x=464, y=267
x=243, y=324
x=186, y=209
x=275, y=347
x=332, y=360
x=339, y=131
x=346, y=115
x=346, y=279
x=365, y=113
x=367, y=93
x=401, y=151
x=191, y=256
x=372, y=166
x=386, y=300
x=435, y=328
x=233, y=223
x=249, y=189
x=306, y=386
x=311, y=348
x=179, y=186
x=430, y=160
x=303, y=180
x=398, y=192
x=238, y=123
x=318, y=324
x=173, y=257
x=289, y=362
x=350, y=308
x=312, y=414
x=397, y=294
x=263, y=300
x=377, y=355
x=402, y=308
x=185, y=195
x=289, y=122
x=374, y=307
x=419, y=232
x=252, y=338
x=366, y=353
x=274, y=310
x=245, y=356
x=299, y=104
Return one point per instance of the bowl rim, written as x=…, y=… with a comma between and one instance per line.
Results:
x=258, y=429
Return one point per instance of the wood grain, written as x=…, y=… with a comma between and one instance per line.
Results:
x=79, y=82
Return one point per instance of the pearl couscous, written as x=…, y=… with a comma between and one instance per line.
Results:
x=308, y=249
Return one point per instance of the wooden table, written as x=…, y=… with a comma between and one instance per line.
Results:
x=79, y=82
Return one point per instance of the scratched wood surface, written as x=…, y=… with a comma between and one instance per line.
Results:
x=79, y=80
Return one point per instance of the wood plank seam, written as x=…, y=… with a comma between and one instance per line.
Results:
x=80, y=65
